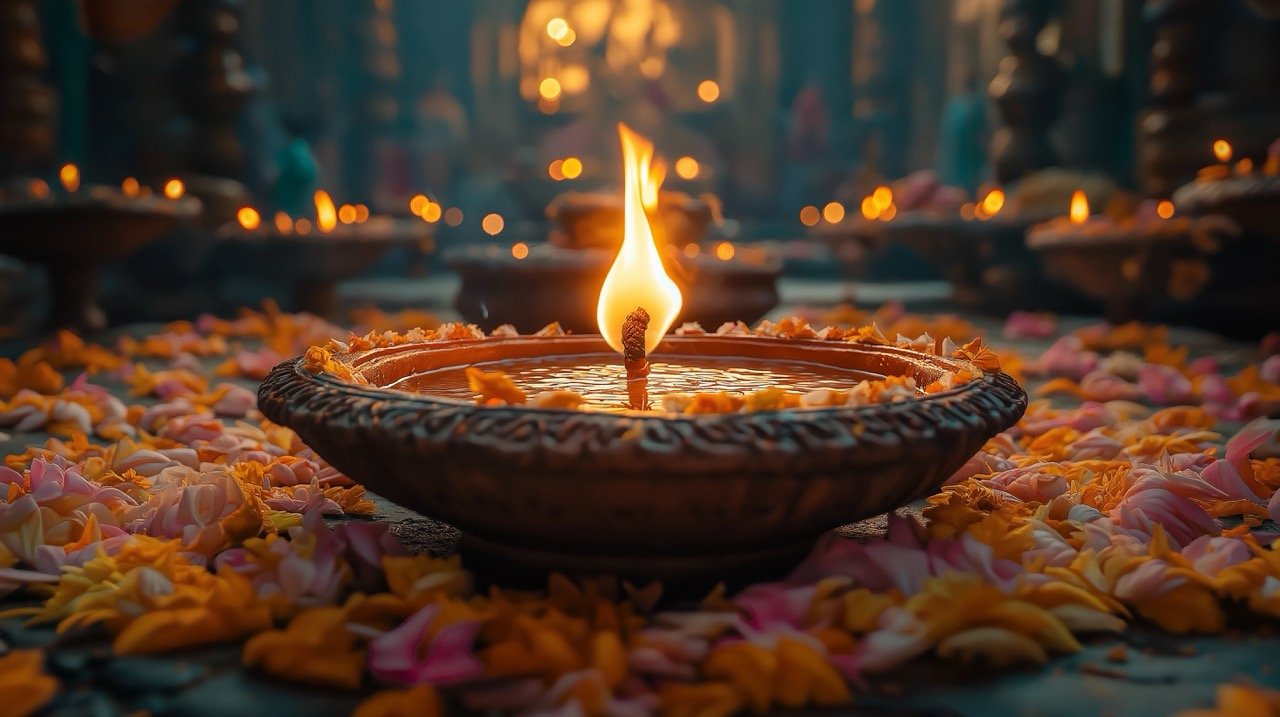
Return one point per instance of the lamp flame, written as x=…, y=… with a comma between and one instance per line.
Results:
x=326, y=213
x=70, y=176
x=1079, y=207
x=1222, y=150
x=637, y=277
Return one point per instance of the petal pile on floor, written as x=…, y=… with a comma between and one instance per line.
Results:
x=189, y=519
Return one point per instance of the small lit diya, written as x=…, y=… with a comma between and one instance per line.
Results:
x=1132, y=263
x=313, y=254
x=721, y=282
x=691, y=458
x=1246, y=191
x=594, y=220
x=71, y=231
x=977, y=246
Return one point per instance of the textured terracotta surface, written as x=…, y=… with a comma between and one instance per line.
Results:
x=644, y=495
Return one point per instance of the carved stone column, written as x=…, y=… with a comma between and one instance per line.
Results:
x=1170, y=146
x=1027, y=91
x=28, y=104
x=377, y=106
x=214, y=86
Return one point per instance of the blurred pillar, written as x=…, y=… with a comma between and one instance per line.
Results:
x=28, y=104
x=213, y=87
x=1027, y=91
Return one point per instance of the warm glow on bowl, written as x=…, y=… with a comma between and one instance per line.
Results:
x=555, y=169
x=637, y=277
x=1079, y=208
x=130, y=187
x=453, y=216
x=70, y=176
x=692, y=250
x=362, y=213
x=809, y=215
x=346, y=214
x=1222, y=150
x=687, y=167
x=38, y=188
x=174, y=189
x=492, y=224
x=833, y=212
x=284, y=224
x=302, y=226
x=1164, y=209
x=249, y=218
x=326, y=214
x=708, y=91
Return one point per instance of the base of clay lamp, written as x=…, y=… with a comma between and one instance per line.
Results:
x=558, y=284
x=72, y=237
x=1252, y=202
x=690, y=575
x=314, y=264
x=1129, y=271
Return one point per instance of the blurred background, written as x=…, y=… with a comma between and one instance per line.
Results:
x=457, y=133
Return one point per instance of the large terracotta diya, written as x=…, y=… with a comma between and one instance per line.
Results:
x=687, y=499
x=1135, y=264
x=314, y=259
x=605, y=483
x=72, y=234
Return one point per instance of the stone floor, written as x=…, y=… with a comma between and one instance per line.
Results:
x=1162, y=675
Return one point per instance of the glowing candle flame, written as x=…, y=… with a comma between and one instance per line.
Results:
x=1079, y=208
x=130, y=187
x=993, y=202
x=70, y=176
x=174, y=189
x=248, y=218
x=326, y=213
x=868, y=208
x=637, y=278
x=1222, y=150
x=882, y=197
x=284, y=224
x=1164, y=209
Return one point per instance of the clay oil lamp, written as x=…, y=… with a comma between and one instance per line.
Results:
x=1130, y=263
x=978, y=245
x=688, y=456
x=1247, y=191
x=313, y=254
x=918, y=204
x=721, y=283
x=72, y=230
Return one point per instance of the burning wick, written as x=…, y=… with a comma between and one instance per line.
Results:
x=634, y=359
